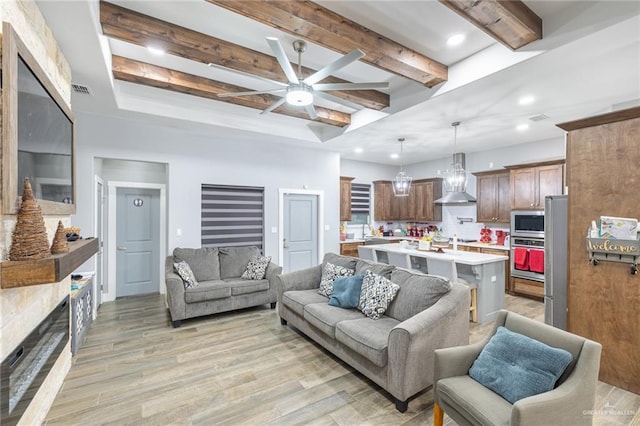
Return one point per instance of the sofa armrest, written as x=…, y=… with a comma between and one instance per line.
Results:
x=304, y=279
x=175, y=292
x=455, y=361
x=412, y=342
x=571, y=402
x=273, y=270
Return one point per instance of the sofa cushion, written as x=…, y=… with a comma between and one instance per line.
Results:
x=240, y=286
x=338, y=259
x=203, y=261
x=324, y=317
x=486, y=408
x=234, y=260
x=376, y=295
x=382, y=269
x=329, y=273
x=516, y=366
x=184, y=270
x=346, y=292
x=367, y=337
x=297, y=299
x=256, y=268
x=418, y=292
x=207, y=290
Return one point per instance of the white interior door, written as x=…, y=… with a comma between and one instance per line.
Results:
x=300, y=222
x=137, y=241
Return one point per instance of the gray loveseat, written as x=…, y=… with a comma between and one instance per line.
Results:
x=220, y=287
x=395, y=351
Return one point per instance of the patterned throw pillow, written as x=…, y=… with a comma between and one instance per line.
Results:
x=256, y=268
x=376, y=295
x=329, y=273
x=184, y=270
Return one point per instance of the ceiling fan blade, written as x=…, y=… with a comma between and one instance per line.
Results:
x=268, y=80
x=311, y=110
x=278, y=51
x=273, y=106
x=333, y=67
x=350, y=86
x=249, y=93
x=338, y=100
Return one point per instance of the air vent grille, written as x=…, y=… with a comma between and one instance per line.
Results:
x=81, y=89
x=539, y=117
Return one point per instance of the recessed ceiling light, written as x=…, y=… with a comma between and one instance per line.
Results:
x=394, y=155
x=455, y=40
x=358, y=150
x=155, y=50
x=526, y=100
x=522, y=127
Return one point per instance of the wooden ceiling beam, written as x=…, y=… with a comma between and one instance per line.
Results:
x=328, y=29
x=133, y=27
x=133, y=71
x=510, y=22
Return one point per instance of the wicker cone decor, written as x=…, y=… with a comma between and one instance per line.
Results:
x=30, y=241
x=59, y=244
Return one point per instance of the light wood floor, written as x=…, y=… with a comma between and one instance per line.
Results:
x=240, y=368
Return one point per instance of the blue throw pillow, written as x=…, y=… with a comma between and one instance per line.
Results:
x=346, y=291
x=516, y=366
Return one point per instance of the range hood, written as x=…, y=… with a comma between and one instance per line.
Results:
x=455, y=189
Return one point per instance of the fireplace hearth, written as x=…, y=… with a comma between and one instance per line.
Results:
x=27, y=366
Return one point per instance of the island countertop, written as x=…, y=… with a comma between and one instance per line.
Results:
x=462, y=257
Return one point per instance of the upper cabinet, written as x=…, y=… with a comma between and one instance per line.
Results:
x=345, y=198
x=494, y=203
x=530, y=183
x=418, y=206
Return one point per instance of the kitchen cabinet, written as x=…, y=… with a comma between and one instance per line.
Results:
x=531, y=183
x=497, y=252
x=418, y=206
x=529, y=288
x=350, y=249
x=345, y=198
x=81, y=312
x=493, y=195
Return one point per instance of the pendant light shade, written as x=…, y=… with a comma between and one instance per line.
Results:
x=402, y=182
x=455, y=178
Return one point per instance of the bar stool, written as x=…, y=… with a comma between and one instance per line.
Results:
x=399, y=259
x=367, y=253
x=447, y=269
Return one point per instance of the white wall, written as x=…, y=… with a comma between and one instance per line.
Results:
x=194, y=159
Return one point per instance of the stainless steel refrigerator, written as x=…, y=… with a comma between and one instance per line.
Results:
x=555, y=260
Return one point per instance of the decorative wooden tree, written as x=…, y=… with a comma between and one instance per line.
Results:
x=59, y=244
x=30, y=241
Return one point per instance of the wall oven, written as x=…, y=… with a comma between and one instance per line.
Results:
x=527, y=223
x=527, y=258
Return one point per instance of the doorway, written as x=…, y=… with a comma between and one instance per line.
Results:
x=99, y=227
x=301, y=242
x=136, y=228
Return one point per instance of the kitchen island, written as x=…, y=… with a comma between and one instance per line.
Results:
x=487, y=270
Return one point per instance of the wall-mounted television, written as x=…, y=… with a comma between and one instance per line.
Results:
x=37, y=133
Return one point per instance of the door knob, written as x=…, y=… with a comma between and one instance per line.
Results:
x=122, y=248
x=284, y=243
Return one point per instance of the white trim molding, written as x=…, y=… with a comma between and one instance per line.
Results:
x=113, y=186
x=320, y=194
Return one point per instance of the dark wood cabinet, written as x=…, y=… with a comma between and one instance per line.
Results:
x=493, y=195
x=345, y=198
x=529, y=184
x=350, y=249
x=418, y=206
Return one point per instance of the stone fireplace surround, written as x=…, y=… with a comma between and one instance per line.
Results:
x=22, y=309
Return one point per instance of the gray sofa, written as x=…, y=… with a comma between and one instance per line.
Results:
x=220, y=288
x=395, y=351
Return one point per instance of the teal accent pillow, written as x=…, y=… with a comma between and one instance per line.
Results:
x=516, y=366
x=346, y=291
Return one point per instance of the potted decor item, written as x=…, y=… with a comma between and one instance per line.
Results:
x=29, y=241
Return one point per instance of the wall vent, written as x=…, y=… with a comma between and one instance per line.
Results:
x=81, y=89
x=539, y=117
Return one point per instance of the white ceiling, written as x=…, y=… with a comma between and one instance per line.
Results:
x=587, y=63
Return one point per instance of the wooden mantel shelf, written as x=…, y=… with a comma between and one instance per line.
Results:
x=50, y=270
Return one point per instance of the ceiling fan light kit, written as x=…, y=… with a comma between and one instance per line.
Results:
x=401, y=183
x=299, y=95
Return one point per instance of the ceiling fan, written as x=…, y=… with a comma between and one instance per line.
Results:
x=302, y=92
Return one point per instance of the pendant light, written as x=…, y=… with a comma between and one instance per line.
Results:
x=455, y=179
x=402, y=182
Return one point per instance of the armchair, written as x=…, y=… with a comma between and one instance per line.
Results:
x=469, y=403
